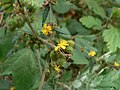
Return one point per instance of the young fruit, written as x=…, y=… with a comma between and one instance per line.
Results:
x=36, y=46
x=11, y=24
x=69, y=49
x=20, y=21
x=52, y=55
x=61, y=61
x=71, y=43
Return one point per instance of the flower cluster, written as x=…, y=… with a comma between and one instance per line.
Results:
x=92, y=53
x=61, y=45
x=47, y=29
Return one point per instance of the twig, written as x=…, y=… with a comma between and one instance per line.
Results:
x=19, y=3
x=39, y=63
x=29, y=24
x=44, y=41
x=43, y=77
x=64, y=85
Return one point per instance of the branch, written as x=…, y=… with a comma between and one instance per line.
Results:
x=43, y=77
x=29, y=24
x=39, y=63
x=44, y=41
x=19, y=3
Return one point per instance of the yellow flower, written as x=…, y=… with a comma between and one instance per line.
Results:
x=92, y=53
x=61, y=45
x=47, y=29
x=45, y=32
x=116, y=64
x=12, y=88
x=57, y=68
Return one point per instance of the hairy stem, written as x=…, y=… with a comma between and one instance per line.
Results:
x=43, y=77
x=39, y=63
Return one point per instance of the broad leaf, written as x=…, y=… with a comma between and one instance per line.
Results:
x=112, y=37
x=75, y=27
x=116, y=12
x=85, y=42
x=50, y=17
x=5, y=45
x=66, y=75
x=45, y=13
x=22, y=65
x=2, y=32
x=61, y=6
x=96, y=7
x=91, y=22
x=79, y=58
x=64, y=32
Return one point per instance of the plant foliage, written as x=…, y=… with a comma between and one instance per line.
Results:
x=60, y=44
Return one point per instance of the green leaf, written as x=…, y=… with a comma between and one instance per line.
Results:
x=45, y=14
x=23, y=67
x=85, y=42
x=51, y=17
x=91, y=22
x=2, y=32
x=75, y=27
x=116, y=12
x=78, y=57
x=96, y=7
x=61, y=6
x=38, y=22
x=66, y=75
x=5, y=45
x=27, y=29
x=112, y=37
x=73, y=6
x=64, y=32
